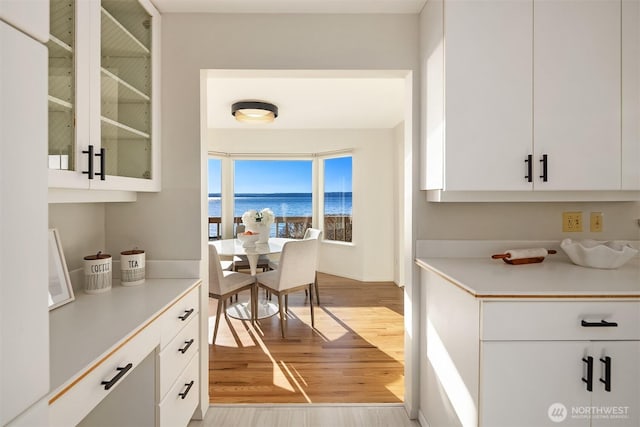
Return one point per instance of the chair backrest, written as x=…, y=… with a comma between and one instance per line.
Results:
x=298, y=263
x=216, y=276
x=312, y=233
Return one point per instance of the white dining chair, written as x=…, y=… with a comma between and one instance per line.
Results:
x=296, y=272
x=310, y=233
x=224, y=284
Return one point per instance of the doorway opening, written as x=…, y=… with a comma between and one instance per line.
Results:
x=360, y=279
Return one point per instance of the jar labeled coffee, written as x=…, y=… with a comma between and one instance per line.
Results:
x=97, y=273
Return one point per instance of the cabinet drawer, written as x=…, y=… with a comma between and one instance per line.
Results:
x=178, y=405
x=73, y=402
x=560, y=320
x=174, y=357
x=179, y=315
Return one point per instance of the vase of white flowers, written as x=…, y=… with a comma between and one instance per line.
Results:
x=259, y=222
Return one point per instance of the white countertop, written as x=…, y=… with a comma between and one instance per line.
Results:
x=90, y=326
x=555, y=277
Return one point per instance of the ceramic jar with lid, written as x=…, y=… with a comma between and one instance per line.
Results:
x=97, y=273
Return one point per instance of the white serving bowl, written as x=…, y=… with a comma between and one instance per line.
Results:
x=248, y=240
x=594, y=254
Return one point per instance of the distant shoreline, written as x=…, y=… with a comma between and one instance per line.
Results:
x=280, y=194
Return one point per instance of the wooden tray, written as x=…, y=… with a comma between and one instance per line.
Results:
x=519, y=261
x=523, y=260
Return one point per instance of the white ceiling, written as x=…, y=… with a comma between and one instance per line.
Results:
x=290, y=6
x=309, y=99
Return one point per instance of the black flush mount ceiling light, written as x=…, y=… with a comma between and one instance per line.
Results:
x=254, y=111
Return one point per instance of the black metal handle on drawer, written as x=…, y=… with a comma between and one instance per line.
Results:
x=528, y=161
x=186, y=314
x=589, y=379
x=89, y=172
x=121, y=372
x=186, y=391
x=103, y=157
x=184, y=349
x=545, y=162
x=600, y=324
x=607, y=373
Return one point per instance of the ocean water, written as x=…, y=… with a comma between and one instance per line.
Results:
x=284, y=204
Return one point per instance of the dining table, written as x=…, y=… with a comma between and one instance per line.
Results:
x=234, y=247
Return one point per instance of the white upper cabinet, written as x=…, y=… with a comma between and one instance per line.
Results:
x=488, y=102
x=29, y=16
x=104, y=82
x=525, y=96
x=576, y=94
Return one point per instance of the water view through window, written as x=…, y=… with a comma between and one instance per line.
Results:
x=285, y=187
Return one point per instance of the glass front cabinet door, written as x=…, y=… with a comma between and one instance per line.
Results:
x=104, y=95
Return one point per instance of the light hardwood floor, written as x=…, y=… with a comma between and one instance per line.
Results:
x=354, y=355
x=305, y=416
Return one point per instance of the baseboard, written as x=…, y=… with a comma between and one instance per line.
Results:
x=422, y=420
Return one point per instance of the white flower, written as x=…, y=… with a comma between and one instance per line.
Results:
x=252, y=217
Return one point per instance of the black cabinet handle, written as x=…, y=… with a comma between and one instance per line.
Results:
x=545, y=164
x=600, y=324
x=89, y=151
x=528, y=161
x=186, y=314
x=184, y=393
x=121, y=372
x=184, y=349
x=102, y=163
x=589, y=379
x=607, y=373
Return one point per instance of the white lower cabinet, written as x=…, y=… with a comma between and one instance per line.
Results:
x=539, y=383
x=525, y=362
x=181, y=400
x=150, y=376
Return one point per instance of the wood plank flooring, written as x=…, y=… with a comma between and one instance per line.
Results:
x=354, y=355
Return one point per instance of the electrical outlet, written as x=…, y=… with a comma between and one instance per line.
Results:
x=571, y=221
x=596, y=222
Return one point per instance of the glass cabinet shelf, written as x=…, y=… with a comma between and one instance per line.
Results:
x=118, y=41
x=58, y=105
x=122, y=91
x=116, y=130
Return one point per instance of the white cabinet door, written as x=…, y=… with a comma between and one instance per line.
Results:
x=24, y=321
x=576, y=94
x=620, y=406
x=630, y=94
x=532, y=383
x=488, y=106
x=30, y=16
x=116, y=98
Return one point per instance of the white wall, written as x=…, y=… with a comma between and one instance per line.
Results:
x=370, y=257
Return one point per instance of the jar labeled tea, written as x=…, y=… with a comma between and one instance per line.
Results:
x=132, y=267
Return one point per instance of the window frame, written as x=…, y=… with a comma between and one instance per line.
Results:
x=227, y=194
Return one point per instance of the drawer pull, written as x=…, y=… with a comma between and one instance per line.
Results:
x=184, y=349
x=589, y=379
x=121, y=372
x=607, y=373
x=186, y=314
x=184, y=393
x=600, y=324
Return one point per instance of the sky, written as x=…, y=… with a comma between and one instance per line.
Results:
x=282, y=176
